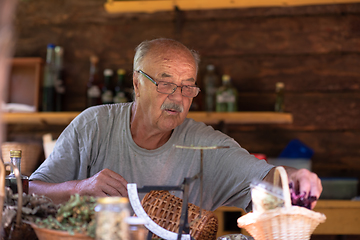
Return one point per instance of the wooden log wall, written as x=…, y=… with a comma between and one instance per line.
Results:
x=314, y=50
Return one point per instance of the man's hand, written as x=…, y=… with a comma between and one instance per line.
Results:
x=306, y=183
x=104, y=183
x=303, y=181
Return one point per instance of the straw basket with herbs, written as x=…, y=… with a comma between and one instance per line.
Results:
x=285, y=222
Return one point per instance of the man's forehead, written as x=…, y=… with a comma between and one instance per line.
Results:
x=168, y=75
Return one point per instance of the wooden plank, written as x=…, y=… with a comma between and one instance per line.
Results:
x=242, y=117
x=47, y=118
x=238, y=117
x=168, y=5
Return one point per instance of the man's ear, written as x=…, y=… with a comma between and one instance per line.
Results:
x=136, y=82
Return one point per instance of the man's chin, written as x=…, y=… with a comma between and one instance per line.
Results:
x=170, y=122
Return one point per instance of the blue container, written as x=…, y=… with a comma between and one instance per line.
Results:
x=296, y=149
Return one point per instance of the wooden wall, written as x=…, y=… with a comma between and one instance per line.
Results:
x=314, y=50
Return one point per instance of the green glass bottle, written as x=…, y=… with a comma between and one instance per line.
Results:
x=279, y=101
x=107, y=93
x=120, y=96
x=48, y=88
x=60, y=79
x=211, y=84
x=226, y=96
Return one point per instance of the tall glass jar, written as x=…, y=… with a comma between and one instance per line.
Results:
x=111, y=213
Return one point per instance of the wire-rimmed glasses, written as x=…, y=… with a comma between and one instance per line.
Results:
x=169, y=88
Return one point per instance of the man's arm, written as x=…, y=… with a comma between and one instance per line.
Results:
x=104, y=183
x=304, y=181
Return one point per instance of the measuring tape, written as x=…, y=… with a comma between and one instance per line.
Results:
x=150, y=224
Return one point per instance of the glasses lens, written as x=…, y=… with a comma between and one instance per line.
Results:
x=166, y=87
x=189, y=91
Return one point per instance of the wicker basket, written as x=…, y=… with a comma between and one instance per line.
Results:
x=165, y=210
x=286, y=223
x=30, y=155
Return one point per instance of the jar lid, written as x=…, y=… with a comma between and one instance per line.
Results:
x=15, y=153
x=112, y=200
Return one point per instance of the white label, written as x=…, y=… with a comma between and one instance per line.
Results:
x=94, y=92
x=225, y=97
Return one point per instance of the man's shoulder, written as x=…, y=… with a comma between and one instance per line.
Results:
x=102, y=113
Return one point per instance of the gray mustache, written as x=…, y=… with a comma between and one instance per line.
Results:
x=173, y=106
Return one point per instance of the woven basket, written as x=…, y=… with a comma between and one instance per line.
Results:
x=286, y=223
x=165, y=210
x=30, y=155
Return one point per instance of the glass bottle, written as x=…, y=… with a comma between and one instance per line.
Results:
x=59, y=80
x=107, y=93
x=111, y=214
x=48, y=89
x=226, y=96
x=279, y=101
x=211, y=82
x=10, y=180
x=120, y=96
x=93, y=85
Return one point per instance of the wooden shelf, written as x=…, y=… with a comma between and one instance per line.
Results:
x=151, y=6
x=64, y=118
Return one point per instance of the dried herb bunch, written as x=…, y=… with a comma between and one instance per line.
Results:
x=75, y=216
x=33, y=207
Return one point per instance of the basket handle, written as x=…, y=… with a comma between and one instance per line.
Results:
x=280, y=173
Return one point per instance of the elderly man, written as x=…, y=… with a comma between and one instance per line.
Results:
x=108, y=146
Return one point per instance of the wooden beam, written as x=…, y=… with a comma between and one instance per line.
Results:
x=151, y=6
x=64, y=118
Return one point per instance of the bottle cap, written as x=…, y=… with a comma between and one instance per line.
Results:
x=15, y=153
x=226, y=78
x=280, y=85
x=210, y=67
x=59, y=49
x=94, y=59
x=50, y=45
x=121, y=71
x=108, y=72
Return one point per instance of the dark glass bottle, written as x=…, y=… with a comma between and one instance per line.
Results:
x=94, y=84
x=211, y=82
x=107, y=93
x=48, y=89
x=120, y=96
x=226, y=96
x=59, y=81
x=279, y=101
x=10, y=180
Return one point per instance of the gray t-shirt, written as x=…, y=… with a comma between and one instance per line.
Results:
x=100, y=138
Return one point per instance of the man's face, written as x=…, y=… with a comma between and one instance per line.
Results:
x=164, y=111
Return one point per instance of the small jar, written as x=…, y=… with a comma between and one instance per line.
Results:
x=137, y=229
x=111, y=213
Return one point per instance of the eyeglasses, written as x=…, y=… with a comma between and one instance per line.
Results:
x=170, y=88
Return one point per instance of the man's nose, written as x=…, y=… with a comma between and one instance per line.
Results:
x=176, y=94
